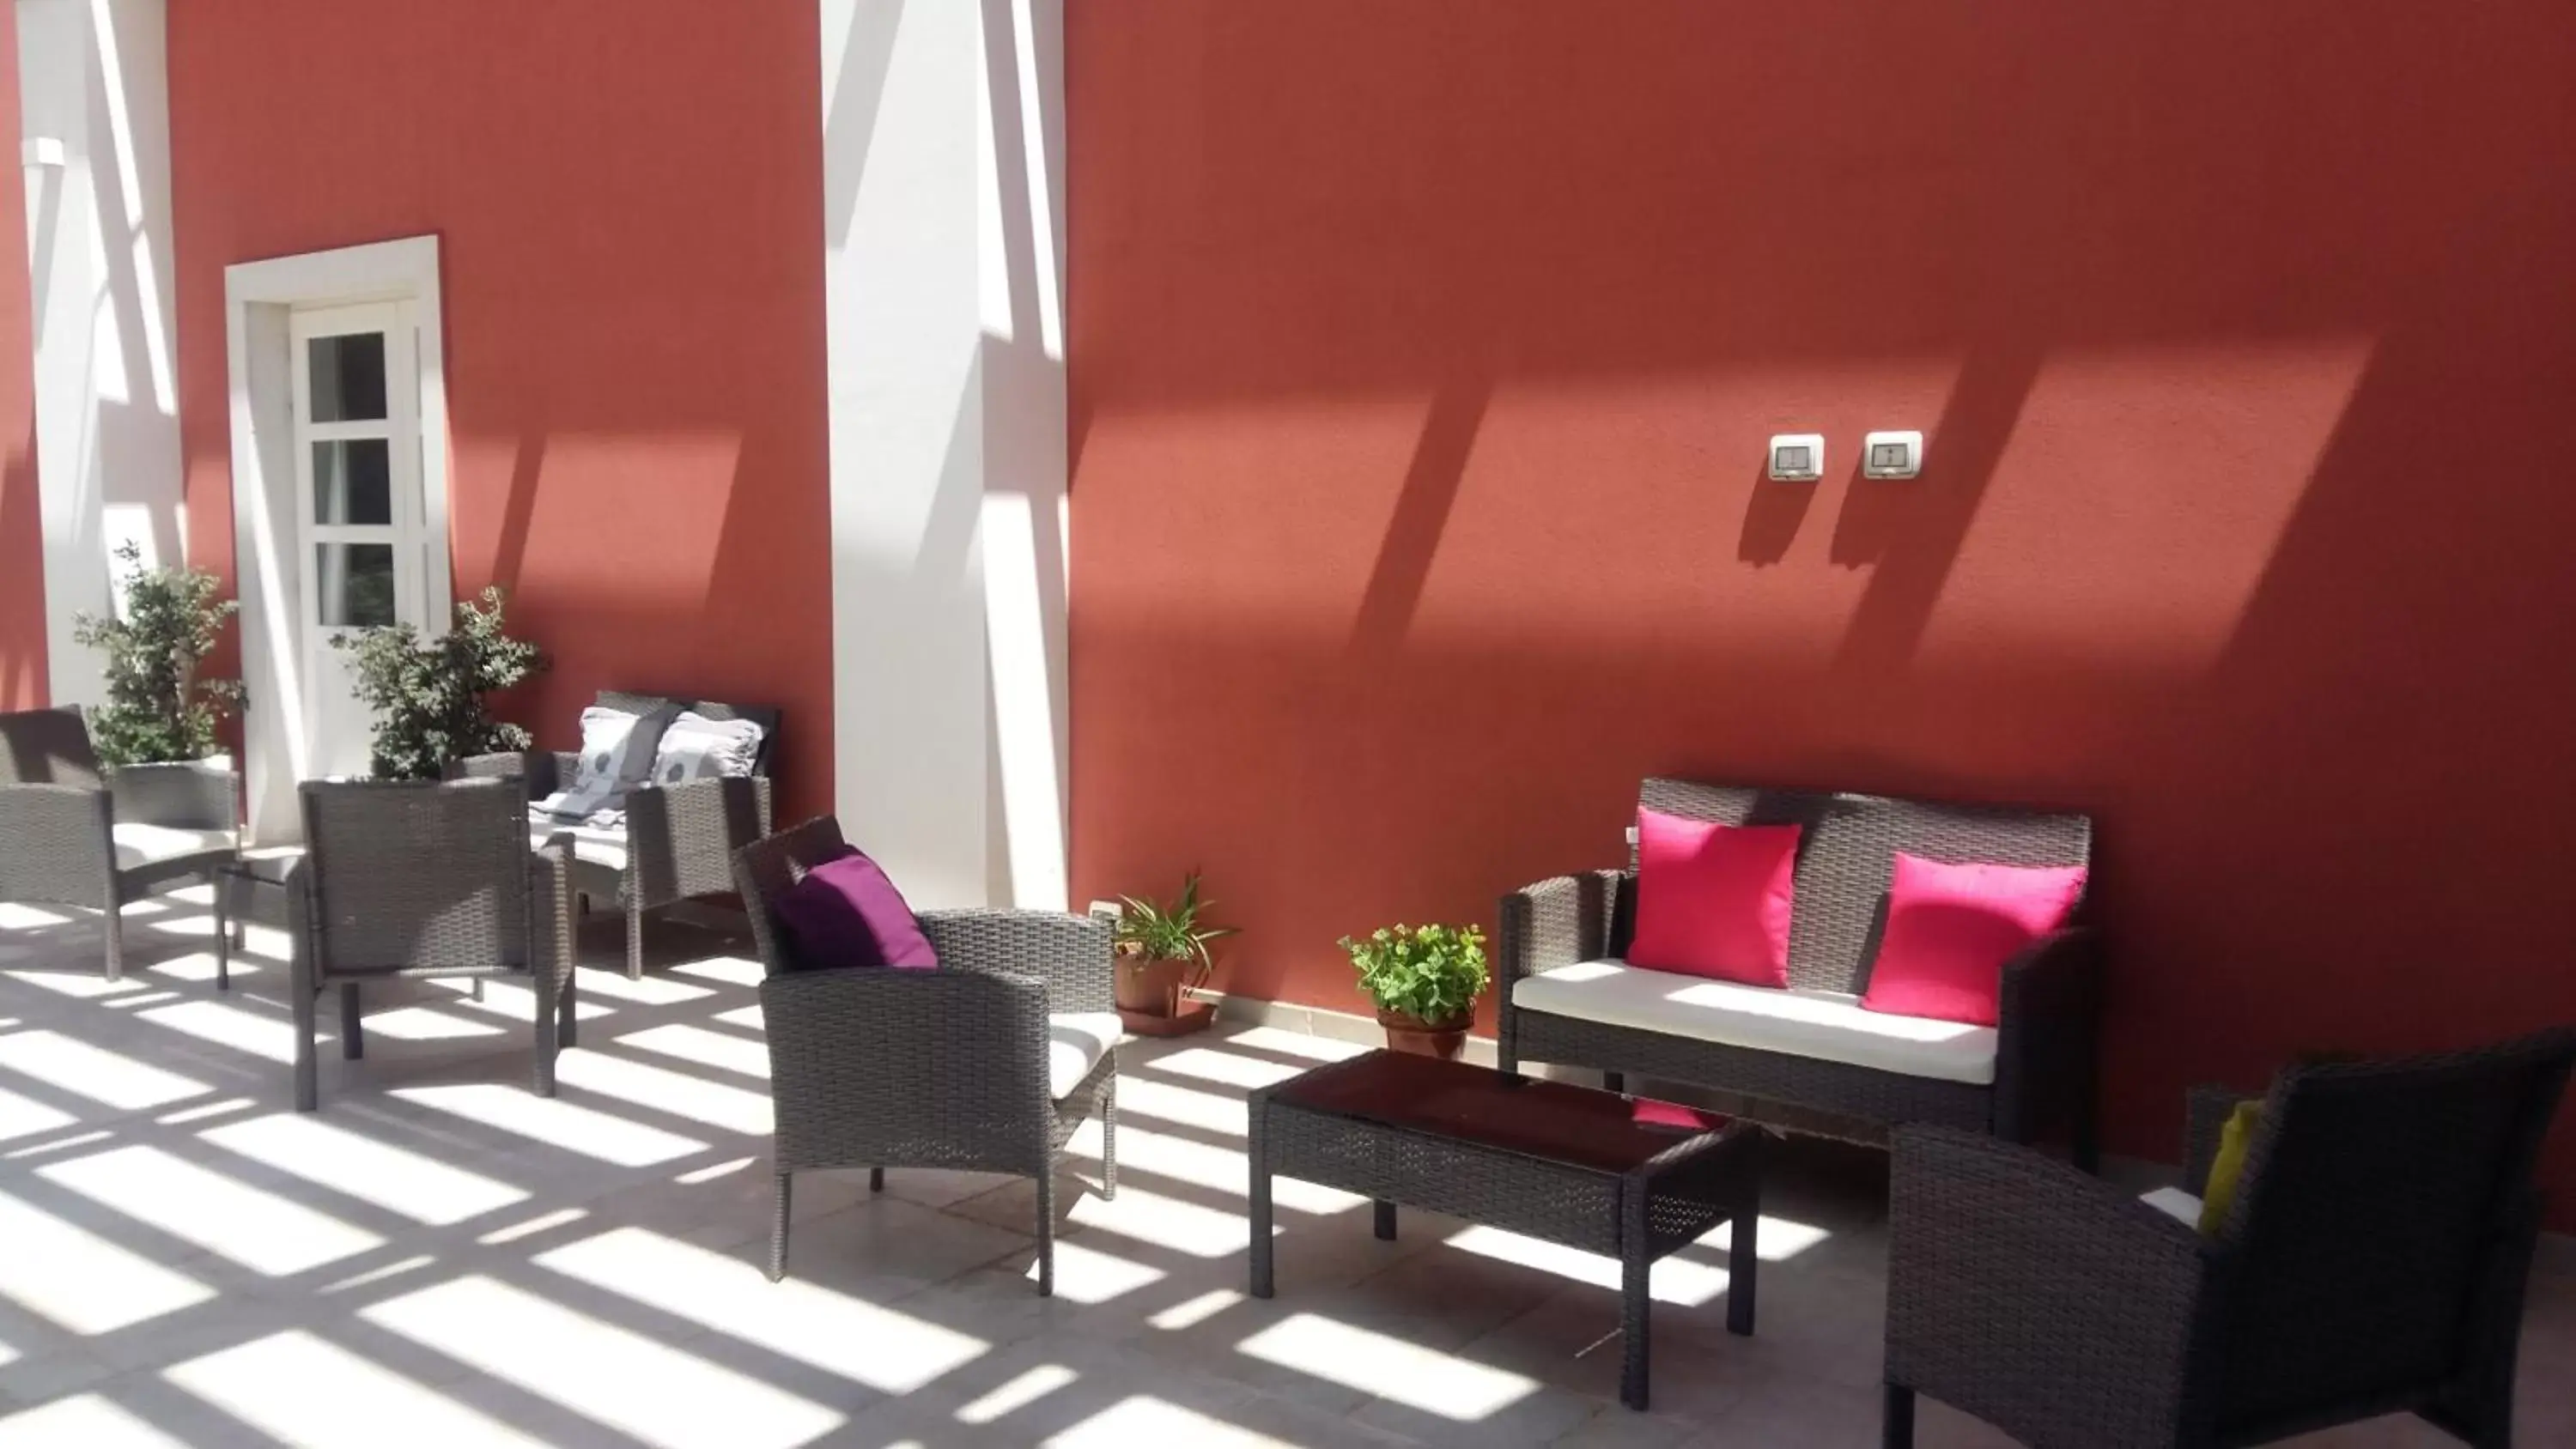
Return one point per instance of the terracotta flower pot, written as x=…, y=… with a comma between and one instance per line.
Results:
x=1150, y=988
x=1406, y=1032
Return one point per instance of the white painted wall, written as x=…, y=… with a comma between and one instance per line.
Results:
x=943, y=255
x=94, y=115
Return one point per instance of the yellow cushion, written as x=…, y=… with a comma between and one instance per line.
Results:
x=2220, y=1193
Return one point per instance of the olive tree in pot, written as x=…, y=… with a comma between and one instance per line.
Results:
x=158, y=712
x=1424, y=981
x=430, y=695
x=1163, y=951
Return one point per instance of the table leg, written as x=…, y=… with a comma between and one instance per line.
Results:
x=1635, y=1325
x=1260, y=1165
x=1385, y=1220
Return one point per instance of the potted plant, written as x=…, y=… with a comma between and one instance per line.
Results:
x=158, y=712
x=1162, y=952
x=1424, y=981
x=429, y=696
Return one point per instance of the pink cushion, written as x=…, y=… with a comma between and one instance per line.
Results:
x=1714, y=900
x=1951, y=928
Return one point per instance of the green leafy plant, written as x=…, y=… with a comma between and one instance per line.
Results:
x=1431, y=973
x=429, y=696
x=1151, y=931
x=158, y=711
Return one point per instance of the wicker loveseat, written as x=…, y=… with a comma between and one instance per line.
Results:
x=677, y=842
x=1567, y=998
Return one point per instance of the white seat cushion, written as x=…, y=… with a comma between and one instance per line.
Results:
x=2174, y=1203
x=1825, y=1026
x=605, y=846
x=1076, y=1041
x=152, y=844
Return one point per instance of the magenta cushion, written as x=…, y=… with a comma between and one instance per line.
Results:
x=1714, y=900
x=845, y=912
x=1951, y=928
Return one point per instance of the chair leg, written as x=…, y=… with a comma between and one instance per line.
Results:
x=1046, y=1230
x=567, y=1017
x=548, y=1024
x=307, y=1071
x=353, y=1041
x=1896, y=1420
x=1109, y=1141
x=779, y=1186
x=1614, y=1081
x=634, y=940
x=876, y=1179
x=115, y=928
x=223, y=936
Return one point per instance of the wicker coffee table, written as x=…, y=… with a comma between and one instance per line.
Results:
x=1567, y=1164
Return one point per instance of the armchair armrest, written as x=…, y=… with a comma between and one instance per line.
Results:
x=1069, y=954
x=2048, y=1028
x=55, y=843
x=2032, y=1295
x=680, y=839
x=1558, y=922
x=874, y=1064
x=187, y=795
x=544, y=770
x=2205, y=1114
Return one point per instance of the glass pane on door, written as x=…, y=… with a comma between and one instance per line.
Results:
x=354, y=583
x=353, y=481
x=347, y=377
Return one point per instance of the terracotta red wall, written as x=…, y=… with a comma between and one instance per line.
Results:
x=627, y=195
x=1422, y=360
x=22, y=538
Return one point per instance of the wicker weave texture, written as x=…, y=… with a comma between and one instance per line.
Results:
x=58, y=811
x=2046, y=1067
x=2374, y=1262
x=878, y=1067
x=407, y=879
x=1637, y=1216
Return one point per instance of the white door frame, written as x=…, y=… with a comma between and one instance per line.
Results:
x=258, y=297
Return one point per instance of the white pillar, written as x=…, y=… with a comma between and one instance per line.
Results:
x=94, y=115
x=943, y=253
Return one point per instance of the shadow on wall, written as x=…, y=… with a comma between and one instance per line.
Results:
x=2194, y=305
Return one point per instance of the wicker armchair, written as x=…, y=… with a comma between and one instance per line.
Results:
x=419, y=880
x=2044, y=1073
x=986, y=1064
x=678, y=841
x=2373, y=1263
x=76, y=832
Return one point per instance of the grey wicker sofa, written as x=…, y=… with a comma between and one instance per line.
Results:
x=409, y=879
x=2373, y=1262
x=1566, y=998
x=987, y=1064
x=677, y=843
x=79, y=833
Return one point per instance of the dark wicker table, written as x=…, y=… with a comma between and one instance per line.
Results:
x=1552, y=1160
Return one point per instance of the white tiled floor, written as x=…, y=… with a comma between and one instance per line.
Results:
x=439, y=1258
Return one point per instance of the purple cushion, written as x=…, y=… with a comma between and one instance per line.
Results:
x=846, y=913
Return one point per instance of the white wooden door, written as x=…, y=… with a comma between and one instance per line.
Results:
x=362, y=531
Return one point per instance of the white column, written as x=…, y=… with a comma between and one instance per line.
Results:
x=943, y=254
x=94, y=116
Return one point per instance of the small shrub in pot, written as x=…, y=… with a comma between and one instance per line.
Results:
x=1424, y=981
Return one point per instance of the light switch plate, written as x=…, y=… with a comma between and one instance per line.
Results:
x=1797, y=457
x=1891, y=455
